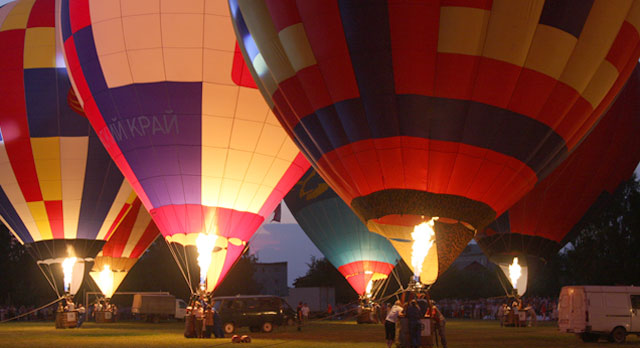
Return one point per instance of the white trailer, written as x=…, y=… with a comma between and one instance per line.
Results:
x=594, y=312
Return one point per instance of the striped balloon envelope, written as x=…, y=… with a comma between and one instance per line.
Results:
x=454, y=109
x=360, y=255
x=60, y=192
x=162, y=84
x=545, y=219
x=124, y=246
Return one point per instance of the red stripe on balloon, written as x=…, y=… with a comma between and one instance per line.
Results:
x=149, y=235
x=194, y=218
x=233, y=253
x=240, y=73
x=118, y=241
x=434, y=166
x=284, y=13
x=42, y=14
x=623, y=47
x=455, y=75
x=121, y=214
x=323, y=26
x=295, y=171
x=495, y=82
x=79, y=14
x=414, y=38
x=359, y=273
x=56, y=218
x=15, y=129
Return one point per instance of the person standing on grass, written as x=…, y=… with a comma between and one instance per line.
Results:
x=413, y=315
x=81, y=313
x=440, y=322
x=208, y=322
x=300, y=316
x=217, y=324
x=390, y=323
x=305, y=311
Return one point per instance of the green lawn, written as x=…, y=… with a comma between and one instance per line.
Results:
x=461, y=334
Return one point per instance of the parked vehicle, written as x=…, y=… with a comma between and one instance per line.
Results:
x=158, y=306
x=594, y=312
x=258, y=312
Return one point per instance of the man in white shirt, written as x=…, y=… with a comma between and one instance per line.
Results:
x=305, y=311
x=390, y=323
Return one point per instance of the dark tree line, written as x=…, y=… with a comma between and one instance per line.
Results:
x=607, y=248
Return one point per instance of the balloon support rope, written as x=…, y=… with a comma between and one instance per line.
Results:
x=35, y=310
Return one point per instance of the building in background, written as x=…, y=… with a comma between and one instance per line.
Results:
x=472, y=257
x=272, y=277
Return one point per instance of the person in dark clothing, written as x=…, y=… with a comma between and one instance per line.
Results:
x=208, y=322
x=299, y=314
x=413, y=315
x=217, y=324
x=423, y=304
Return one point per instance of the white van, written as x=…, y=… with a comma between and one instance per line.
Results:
x=594, y=312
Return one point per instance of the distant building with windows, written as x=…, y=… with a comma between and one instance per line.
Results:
x=272, y=277
x=472, y=257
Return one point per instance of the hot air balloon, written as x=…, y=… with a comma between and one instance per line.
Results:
x=545, y=219
x=124, y=246
x=163, y=87
x=361, y=256
x=448, y=109
x=60, y=192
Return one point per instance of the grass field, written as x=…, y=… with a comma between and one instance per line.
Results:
x=461, y=334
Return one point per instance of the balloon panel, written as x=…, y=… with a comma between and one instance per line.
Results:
x=129, y=240
x=439, y=108
x=542, y=221
x=57, y=182
x=203, y=153
x=338, y=233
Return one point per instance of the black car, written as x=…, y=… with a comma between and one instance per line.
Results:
x=258, y=312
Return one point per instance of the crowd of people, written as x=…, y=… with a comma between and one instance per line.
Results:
x=489, y=309
x=202, y=320
x=11, y=311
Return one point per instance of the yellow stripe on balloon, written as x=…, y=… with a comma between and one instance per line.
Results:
x=73, y=163
x=39, y=213
x=597, y=36
x=46, y=157
x=11, y=188
x=139, y=227
x=511, y=28
x=40, y=48
x=462, y=30
x=123, y=198
x=257, y=16
x=548, y=42
x=19, y=16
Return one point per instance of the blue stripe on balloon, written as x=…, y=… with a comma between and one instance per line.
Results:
x=48, y=112
x=243, y=31
x=88, y=58
x=366, y=31
x=10, y=215
x=453, y=120
x=158, y=128
x=65, y=21
x=102, y=181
